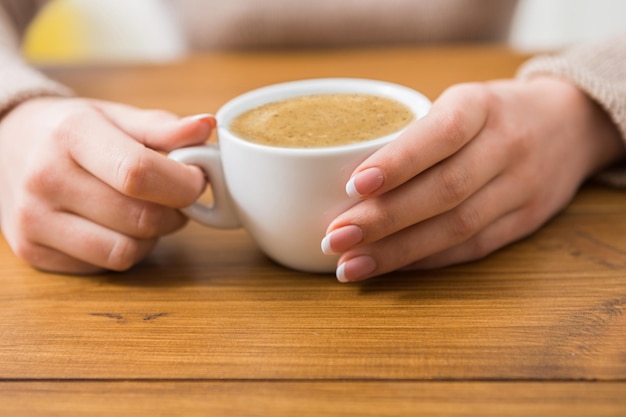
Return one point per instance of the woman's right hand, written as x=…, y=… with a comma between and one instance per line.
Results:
x=85, y=186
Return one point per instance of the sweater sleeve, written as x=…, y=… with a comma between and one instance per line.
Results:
x=19, y=81
x=599, y=70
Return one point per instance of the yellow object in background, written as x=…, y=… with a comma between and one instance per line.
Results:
x=76, y=31
x=59, y=34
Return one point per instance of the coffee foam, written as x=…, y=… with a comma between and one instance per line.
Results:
x=322, y=120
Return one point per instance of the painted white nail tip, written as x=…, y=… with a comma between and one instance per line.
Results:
x=326, y=245
x=341, y=273
x=351, y=189
x=200, y=116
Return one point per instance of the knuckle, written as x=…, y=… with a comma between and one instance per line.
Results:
x=389, y=221
x=23, y=243
x=376, y=218
x=519, y=141
x=26, y=218
x=464, y=224
x=481, y=248
x=454, y=128
x=132, y=171
x=67, y=124
x=459, y=117
x=40, y=179
x=473, y=93
x=453, y=185
x=26, y=250
x=455, y=120
x=146, y=219
x=123, y=254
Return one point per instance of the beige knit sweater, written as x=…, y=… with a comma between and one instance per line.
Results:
x=600, y=70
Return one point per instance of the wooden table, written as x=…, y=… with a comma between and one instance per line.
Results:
x=209, y=326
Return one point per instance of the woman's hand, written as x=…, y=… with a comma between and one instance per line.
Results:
x=489, y=165
x=83, y=186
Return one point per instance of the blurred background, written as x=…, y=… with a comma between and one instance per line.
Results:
x=75, y=31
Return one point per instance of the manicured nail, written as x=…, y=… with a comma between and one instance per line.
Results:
x=356, y=269
x=204, y=116
x=342, y=239
x=365, y=183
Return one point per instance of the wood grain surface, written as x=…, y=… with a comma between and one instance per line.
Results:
x=209, y=326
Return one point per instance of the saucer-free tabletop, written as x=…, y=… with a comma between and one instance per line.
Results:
x=209, y=326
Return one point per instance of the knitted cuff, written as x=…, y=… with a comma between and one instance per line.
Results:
x=599, y=70
x=19, y=82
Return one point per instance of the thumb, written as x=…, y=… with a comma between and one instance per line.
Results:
x=158, y=129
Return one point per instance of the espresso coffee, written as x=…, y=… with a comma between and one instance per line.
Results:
x=322, y=120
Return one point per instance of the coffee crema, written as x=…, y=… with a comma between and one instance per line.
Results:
x=322, y=120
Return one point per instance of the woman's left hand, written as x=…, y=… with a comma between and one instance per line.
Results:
x=487, y=166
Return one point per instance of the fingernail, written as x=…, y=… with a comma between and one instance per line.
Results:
x=365, y=183
x=204, y=116
x=342, y=239
x=356, y=269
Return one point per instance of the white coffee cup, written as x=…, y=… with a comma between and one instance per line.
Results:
x=286, y=197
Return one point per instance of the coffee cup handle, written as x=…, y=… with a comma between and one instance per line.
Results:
x=222, y=213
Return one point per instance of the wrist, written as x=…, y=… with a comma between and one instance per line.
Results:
x=29, y=101
x=570, y=111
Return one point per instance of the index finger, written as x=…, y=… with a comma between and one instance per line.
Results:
x=130, y=167
x=455, y=118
